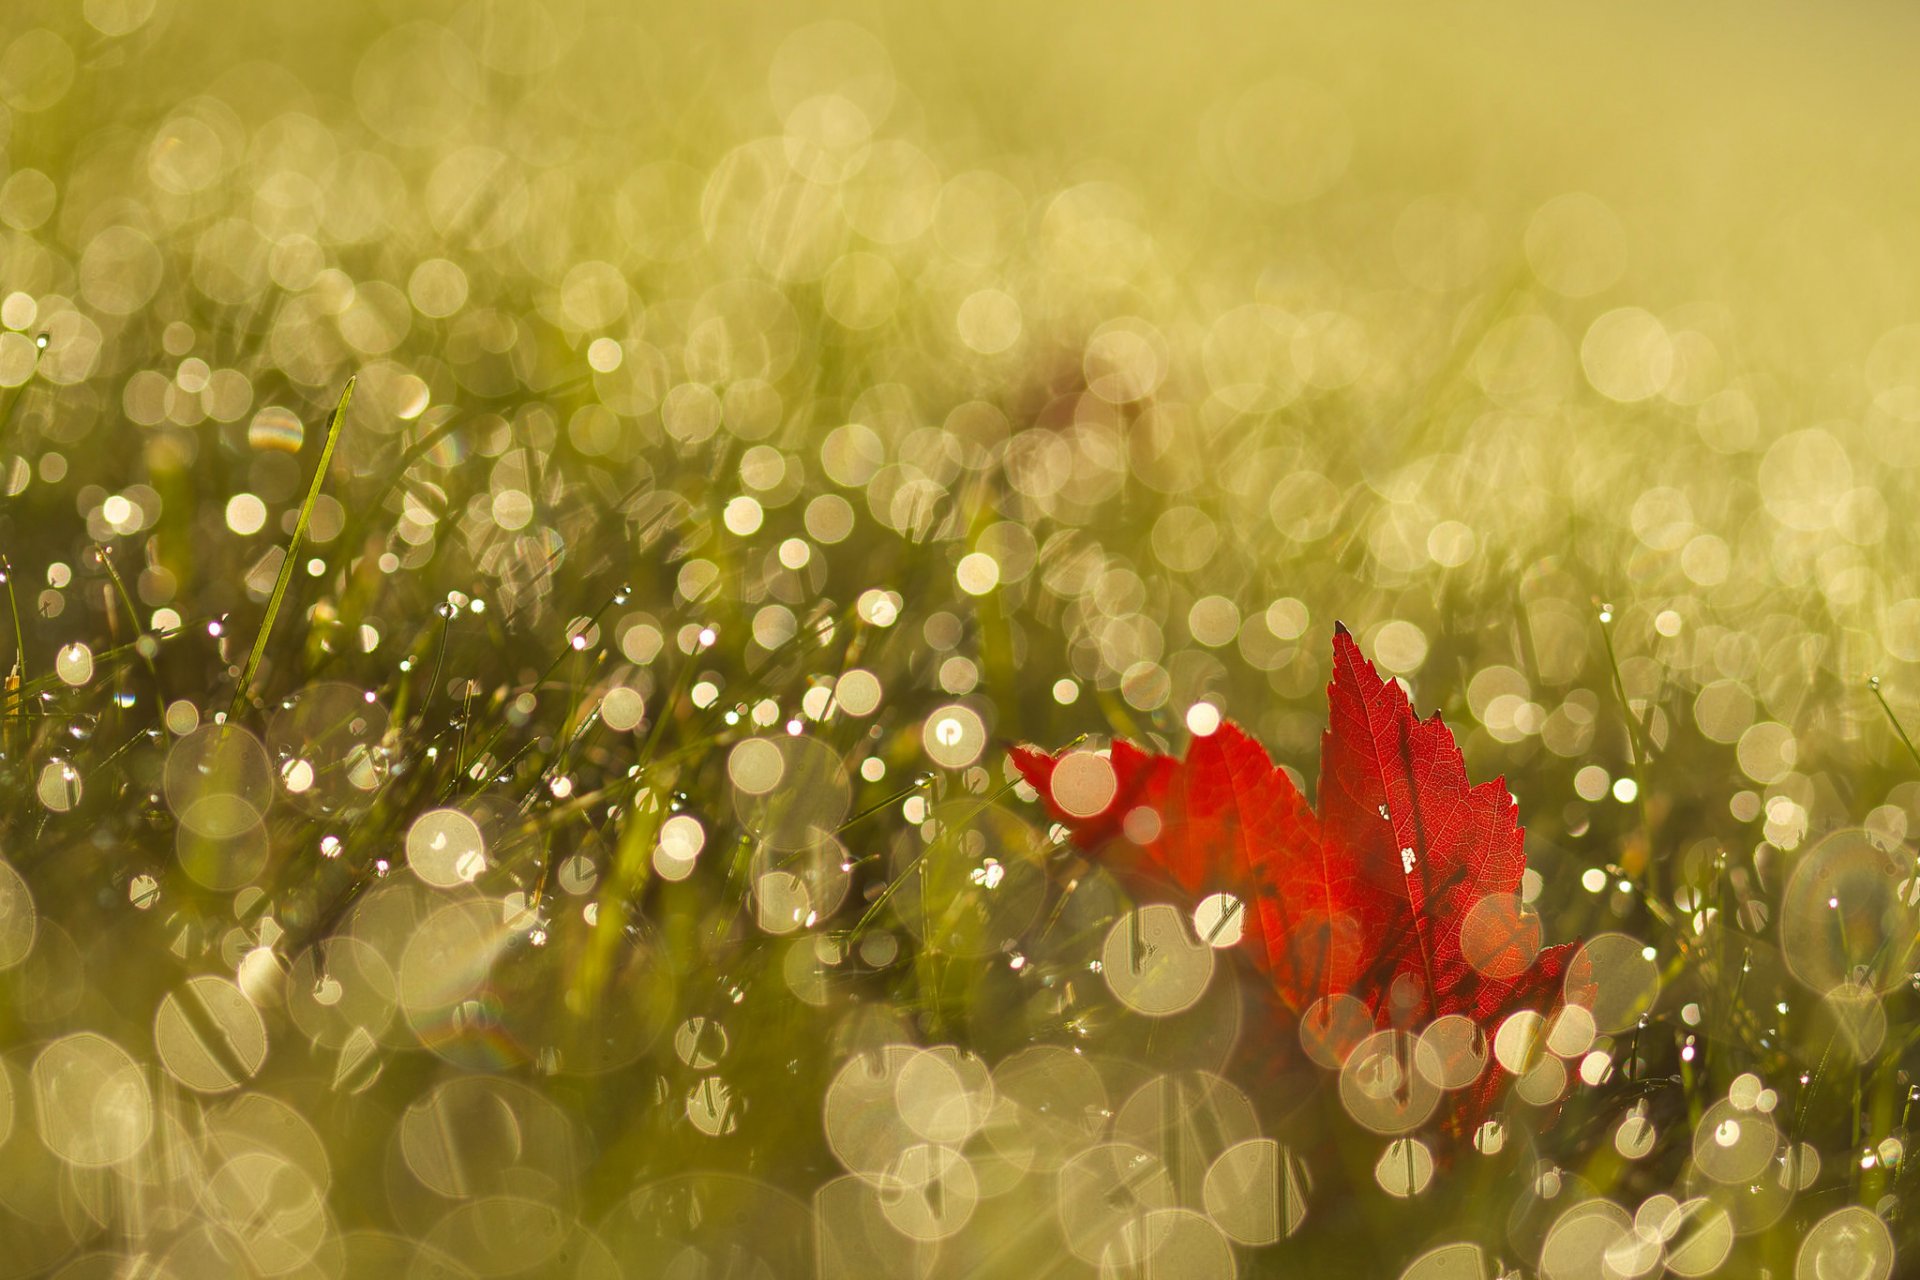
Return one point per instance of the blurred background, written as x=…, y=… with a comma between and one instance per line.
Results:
x=750, y=396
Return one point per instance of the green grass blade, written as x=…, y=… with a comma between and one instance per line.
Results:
x=293, y=554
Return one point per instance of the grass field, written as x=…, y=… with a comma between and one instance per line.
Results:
x=528, y=531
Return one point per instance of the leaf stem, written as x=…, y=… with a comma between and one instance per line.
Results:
x=293, y=554
x=1873, y=684
x=16, y=706
x=1636, y=748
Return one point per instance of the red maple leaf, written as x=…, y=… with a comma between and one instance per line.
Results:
x=1402, y=892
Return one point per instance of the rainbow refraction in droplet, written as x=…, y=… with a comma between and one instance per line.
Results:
x=276, y=428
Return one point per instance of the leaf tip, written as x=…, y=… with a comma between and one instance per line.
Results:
x=1034, y=764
